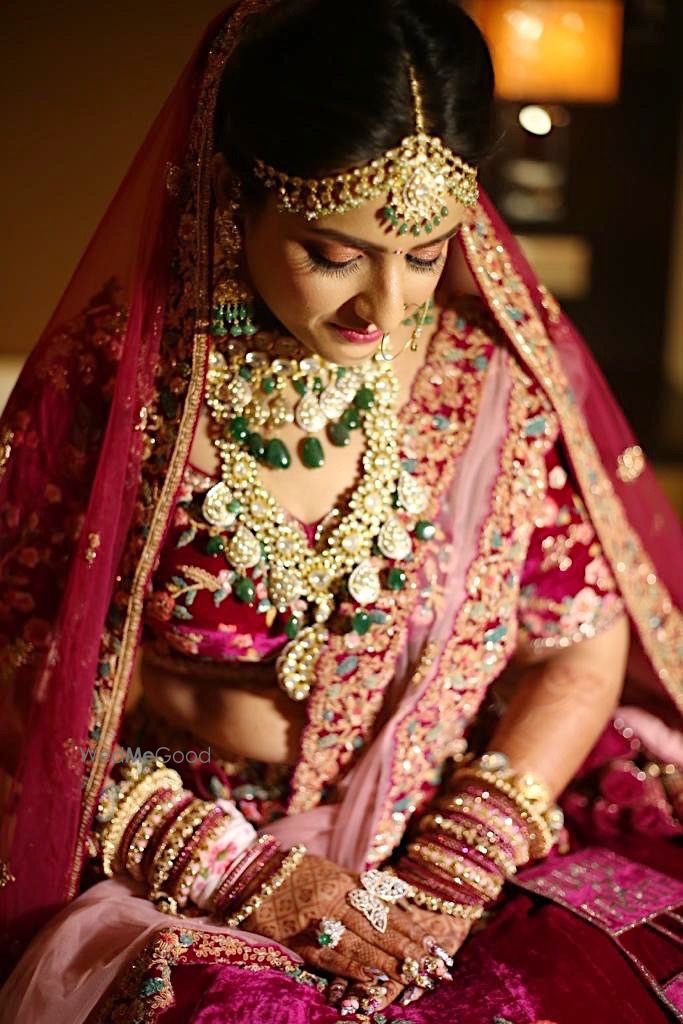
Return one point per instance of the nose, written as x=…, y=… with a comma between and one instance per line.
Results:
x=381, y=303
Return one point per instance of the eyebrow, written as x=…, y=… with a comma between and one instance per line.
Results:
x=360, y=243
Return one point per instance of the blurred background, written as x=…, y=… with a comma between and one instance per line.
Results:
x=588, y=170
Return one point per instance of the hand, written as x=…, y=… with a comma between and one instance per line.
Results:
x=318, y=889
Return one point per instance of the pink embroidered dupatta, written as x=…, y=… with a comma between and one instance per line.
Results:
x=93, y=442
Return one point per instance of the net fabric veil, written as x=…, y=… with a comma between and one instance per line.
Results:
x=78, y=426
x=93, y=441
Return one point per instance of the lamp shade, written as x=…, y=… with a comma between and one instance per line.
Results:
x=567, y=51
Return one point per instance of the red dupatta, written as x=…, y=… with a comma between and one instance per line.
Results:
x=93, y=442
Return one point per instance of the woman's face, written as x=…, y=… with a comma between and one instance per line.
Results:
x=338, y=283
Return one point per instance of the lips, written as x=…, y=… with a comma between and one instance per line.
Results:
x=358, y=337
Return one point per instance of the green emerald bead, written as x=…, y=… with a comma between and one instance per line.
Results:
x=300, y=386
x=268, y=385
x=218, y=329
x=428, y=228
x=436, y=221
x=365, y=397
x=415, y=230
x=350, y=418
x=317, y=385
x=239, y=428
x=403, y=230
x=244, y=589
x=361, y=622
x=234, y=506
x=444, y=211
x=312, y=454
x=291, y=627
x=236, y=331
x=256, y=445
x=424, y=530
x=341, y=372
x=277, y=454
x=245, y=373
x=215, y=545
x=324, y=939
x=339, y=434
x=396, y=579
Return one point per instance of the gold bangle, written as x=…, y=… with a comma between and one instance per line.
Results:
x=140, y=841
x=138, y=792
x=442, y=906
x=529, y=786
x=164, y=859
x=541, y=840
x=496, y=823
x=191, y=870
x=288, y=866
x=484, y=842
x=458, y=868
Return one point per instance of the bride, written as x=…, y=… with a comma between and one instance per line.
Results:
x=331, y=577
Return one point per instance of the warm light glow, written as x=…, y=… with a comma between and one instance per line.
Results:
x=536, y=120
x=565, y=50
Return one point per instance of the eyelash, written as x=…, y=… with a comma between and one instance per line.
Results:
x=316, y=262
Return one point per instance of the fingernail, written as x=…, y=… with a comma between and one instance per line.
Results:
x=410, y=995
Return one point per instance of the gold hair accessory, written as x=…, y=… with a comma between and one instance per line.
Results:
x=417, y=177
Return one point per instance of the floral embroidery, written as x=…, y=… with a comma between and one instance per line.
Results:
x=659, y=623
x=483, y=636
x=146, y=989
x=568, y=591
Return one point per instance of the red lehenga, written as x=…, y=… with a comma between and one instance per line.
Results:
x=530, y=463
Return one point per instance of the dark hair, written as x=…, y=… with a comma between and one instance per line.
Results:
x=318, y=86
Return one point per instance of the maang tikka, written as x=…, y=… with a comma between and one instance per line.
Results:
x=233, y=302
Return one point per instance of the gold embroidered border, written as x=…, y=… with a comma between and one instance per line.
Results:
x=138, y=999
x=485, y=628
x=192, y=321
x=342, y=708
x=659, y=624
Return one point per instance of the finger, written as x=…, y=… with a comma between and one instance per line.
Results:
x=370, y=998
x=398, y=942
x=352, y=957
x=336, y=990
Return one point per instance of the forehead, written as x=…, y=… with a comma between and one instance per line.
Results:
x=367, y=224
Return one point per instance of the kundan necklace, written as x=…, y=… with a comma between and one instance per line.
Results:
x=265, y=543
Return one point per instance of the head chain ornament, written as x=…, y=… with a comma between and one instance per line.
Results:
x=417, y=177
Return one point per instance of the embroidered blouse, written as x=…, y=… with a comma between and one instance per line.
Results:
x=567, y=590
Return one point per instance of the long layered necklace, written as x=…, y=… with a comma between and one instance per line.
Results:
x=247, y=389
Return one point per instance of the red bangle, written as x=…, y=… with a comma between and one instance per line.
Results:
x=422, y=878
x=189, y=850
x=243, y=870
x=160, y=834
x=137, y=820
x=463, y=849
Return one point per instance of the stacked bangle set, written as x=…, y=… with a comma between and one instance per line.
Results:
x=161, y=834
x=492, y=822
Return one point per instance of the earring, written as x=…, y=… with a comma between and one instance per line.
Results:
x=233, y=303
x=385, y=343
